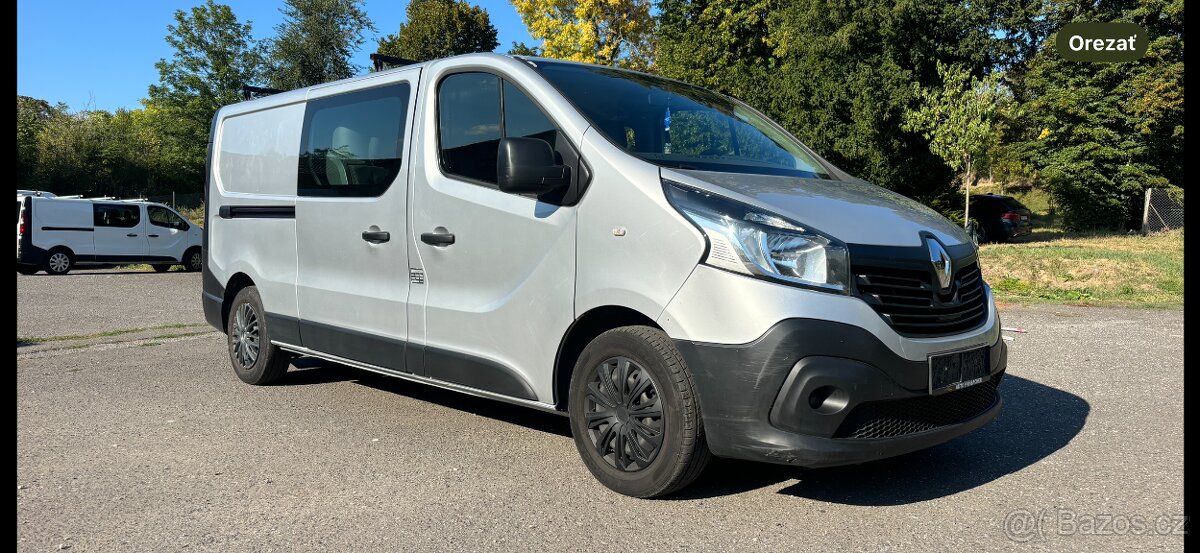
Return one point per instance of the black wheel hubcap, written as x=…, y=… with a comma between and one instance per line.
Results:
x=624, y=414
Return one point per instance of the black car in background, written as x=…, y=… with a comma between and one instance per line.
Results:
x=998, y=218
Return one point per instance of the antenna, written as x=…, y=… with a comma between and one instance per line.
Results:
x=251, y=92
x=383, y=61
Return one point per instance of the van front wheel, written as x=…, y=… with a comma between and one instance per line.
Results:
x=255, y=359
x=634, y=413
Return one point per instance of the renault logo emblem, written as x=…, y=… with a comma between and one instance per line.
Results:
x=941, y=263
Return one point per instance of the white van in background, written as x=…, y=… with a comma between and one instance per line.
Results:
x=56, y=234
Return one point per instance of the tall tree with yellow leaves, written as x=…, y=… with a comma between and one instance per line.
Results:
x=608, y=32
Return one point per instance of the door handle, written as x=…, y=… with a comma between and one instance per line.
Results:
x=437, y=238
x=376, y=236
x=152, y=235
x=131, y=235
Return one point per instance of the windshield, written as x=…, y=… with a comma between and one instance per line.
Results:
x=676, y=125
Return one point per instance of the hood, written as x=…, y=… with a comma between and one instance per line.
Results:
x=853, y=211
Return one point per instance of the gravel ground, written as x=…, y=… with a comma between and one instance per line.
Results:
x=153, y=444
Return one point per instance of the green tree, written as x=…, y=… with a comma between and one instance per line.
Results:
x=609, y=32
x=1097, y=135
x=842, y=77
x=440, y=28
x=315, y=42
x=214, y=56
x=33, y=115
x=522, y=49
x=958, y=119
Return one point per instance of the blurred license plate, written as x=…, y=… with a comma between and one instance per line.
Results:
x=955, y=371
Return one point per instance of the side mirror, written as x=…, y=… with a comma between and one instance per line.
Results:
x=526, y=165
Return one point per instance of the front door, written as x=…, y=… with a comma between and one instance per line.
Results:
x=499, y=268
x=120, y=232
x=351, y=232
x=167, y=236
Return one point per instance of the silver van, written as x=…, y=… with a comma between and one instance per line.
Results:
x=661, y=263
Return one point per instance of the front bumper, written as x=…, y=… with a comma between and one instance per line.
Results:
x=761, y=400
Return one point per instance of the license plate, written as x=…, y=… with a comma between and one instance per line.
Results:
x=955, y=371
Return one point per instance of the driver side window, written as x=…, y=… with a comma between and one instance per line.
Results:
x=163, y=217
x=476, y=110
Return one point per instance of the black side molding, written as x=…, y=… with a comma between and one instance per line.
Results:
x=73, y=229
x=257, y=212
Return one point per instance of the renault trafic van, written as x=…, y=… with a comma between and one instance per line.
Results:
x=664, y=264
x=57, y=234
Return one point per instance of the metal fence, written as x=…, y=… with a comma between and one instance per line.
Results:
x=179, y=201
x=1163, y=210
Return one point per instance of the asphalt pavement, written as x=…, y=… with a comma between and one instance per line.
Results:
x=146, y=441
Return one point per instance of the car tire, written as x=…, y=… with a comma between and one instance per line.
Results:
x=640, y=456
x=255, y=359
x=59, y=261
x=193, y=260
x=28, y=269
x=161, y=268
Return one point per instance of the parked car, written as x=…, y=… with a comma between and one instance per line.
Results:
x=663, y=264
x=997, y=218
x=58, y=234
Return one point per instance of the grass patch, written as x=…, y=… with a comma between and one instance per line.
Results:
x=33, y=340
x=145, y=268
x=194, y=214
x=1088, y=269
x=181, y=335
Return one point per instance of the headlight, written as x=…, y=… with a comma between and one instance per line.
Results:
x=751, y=241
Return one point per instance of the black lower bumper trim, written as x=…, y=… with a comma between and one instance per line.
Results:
x=783, y=397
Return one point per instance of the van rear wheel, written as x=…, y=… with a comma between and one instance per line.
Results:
x=193, y=260
x=255, y=359
x=59, y=262
x=634, y=413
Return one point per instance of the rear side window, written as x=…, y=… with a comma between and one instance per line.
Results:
x=353, y=144
x=163, y=217
x=112, y=215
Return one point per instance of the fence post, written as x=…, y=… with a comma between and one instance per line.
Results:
x=174, y=205
x=1146, y=212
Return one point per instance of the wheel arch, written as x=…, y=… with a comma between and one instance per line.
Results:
x=236, y=284
x=586, y=328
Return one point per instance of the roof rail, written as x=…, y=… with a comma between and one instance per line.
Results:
x=251, y=92
x=383, y=61
x=35, y=193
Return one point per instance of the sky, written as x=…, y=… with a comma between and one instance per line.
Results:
x=101, y=55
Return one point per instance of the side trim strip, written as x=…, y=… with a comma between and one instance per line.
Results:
x=75, y=229
x=422, y=379
x=257, y=212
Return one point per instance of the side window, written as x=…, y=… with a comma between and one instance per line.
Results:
x=163, y=217
x=475, y=110
x=113, y=215
x=352, y=144
x=522, y=118
x=469, y=125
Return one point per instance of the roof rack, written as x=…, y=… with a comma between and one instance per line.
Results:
x=252, y=92
x=383, y=61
